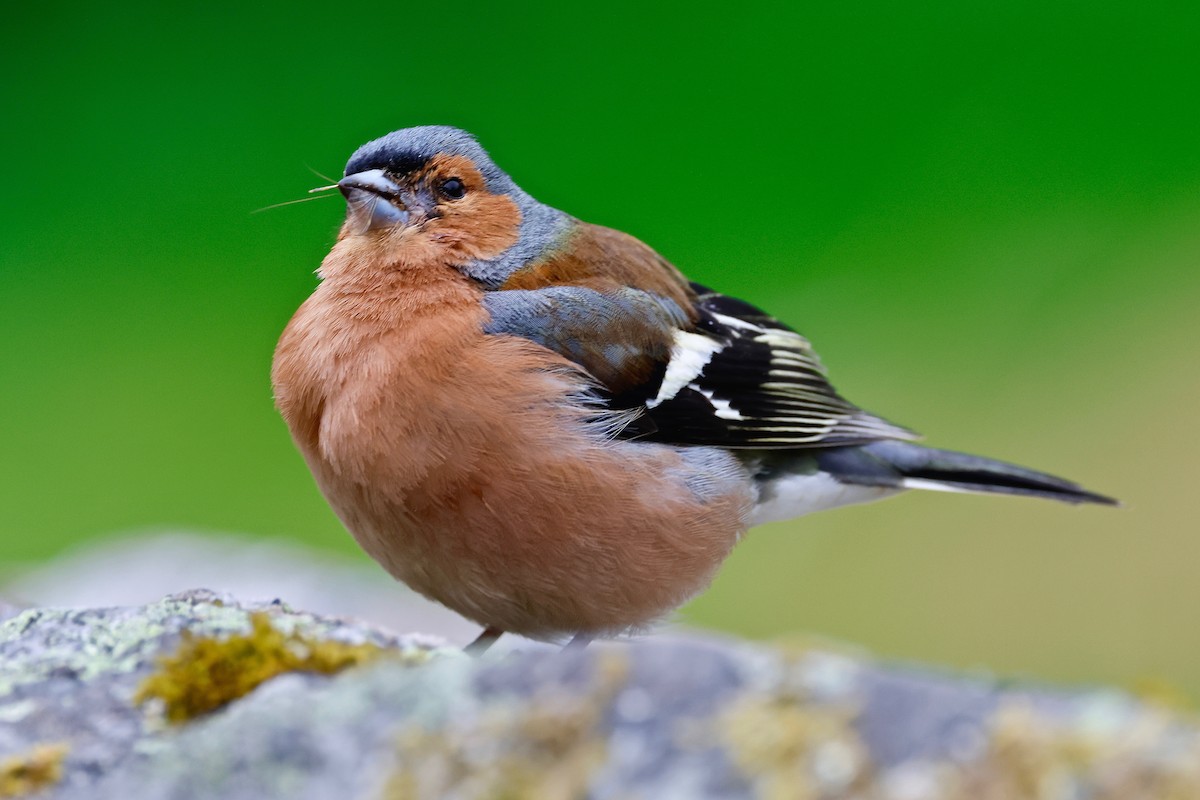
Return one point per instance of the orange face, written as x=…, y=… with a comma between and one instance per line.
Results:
x=441, y=213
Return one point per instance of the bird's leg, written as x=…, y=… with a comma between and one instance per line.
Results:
x=483, y=641
x=578, y=642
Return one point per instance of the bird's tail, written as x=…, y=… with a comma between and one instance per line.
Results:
x=911, y=466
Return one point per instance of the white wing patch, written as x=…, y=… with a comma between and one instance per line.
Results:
x=690, y=354
x=734, y=322
x=722, y=408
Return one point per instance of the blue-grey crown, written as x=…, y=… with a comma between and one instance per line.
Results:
x=404, y=151
x=542, y=228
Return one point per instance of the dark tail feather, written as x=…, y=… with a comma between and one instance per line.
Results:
x=894, y=463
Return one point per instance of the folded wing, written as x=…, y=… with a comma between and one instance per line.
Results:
x=721, y=372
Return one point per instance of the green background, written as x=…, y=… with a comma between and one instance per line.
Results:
x=987, y=220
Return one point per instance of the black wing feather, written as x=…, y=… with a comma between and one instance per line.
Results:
x=764, y=388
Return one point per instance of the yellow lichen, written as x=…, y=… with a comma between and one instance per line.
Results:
x=1164, y=694
x=546, y=748
x=32, y=772
x=1030, y=755
x=792, y=748
x=205, y=674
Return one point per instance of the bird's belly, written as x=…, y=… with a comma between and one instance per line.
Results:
x=508, y=505
x=599, y=552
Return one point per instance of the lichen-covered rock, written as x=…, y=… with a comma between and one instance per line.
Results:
x=664, y=718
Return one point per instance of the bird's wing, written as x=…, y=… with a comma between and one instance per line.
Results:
x=726, y=375
x=757, y=384
x=698, y=367
x=621, y=336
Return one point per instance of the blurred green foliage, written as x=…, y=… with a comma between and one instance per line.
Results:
x=987, y=219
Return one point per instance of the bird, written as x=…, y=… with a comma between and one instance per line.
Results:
x=542, y=424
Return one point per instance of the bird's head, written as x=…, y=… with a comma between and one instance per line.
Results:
x=431, y=196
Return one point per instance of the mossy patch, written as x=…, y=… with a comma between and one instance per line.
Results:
x=1103, y=756
x=1163, y=694
x=29, y=773
x=205, y=673
x=89, y=643
x=789, y=744
x=548, y=747
x=790, y=747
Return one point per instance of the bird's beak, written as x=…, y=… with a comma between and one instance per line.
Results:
x=374, y=199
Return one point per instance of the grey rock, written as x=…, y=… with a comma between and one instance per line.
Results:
x=668, y=717
x=140, y=567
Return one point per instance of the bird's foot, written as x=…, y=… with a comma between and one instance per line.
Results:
x=578, y=642
x=483, y=641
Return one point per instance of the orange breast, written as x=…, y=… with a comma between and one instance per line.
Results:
x=467, y=466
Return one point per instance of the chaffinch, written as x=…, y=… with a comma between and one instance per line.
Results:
x=542, y=424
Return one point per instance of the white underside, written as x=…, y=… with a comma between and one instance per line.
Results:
x=796, y=495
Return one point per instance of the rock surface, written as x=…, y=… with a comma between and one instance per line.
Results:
x=138, y=568
x=660, y=719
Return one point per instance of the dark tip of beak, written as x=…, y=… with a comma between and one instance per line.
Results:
x=374, y=198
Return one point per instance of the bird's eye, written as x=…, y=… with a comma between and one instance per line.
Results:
x=453, y=188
